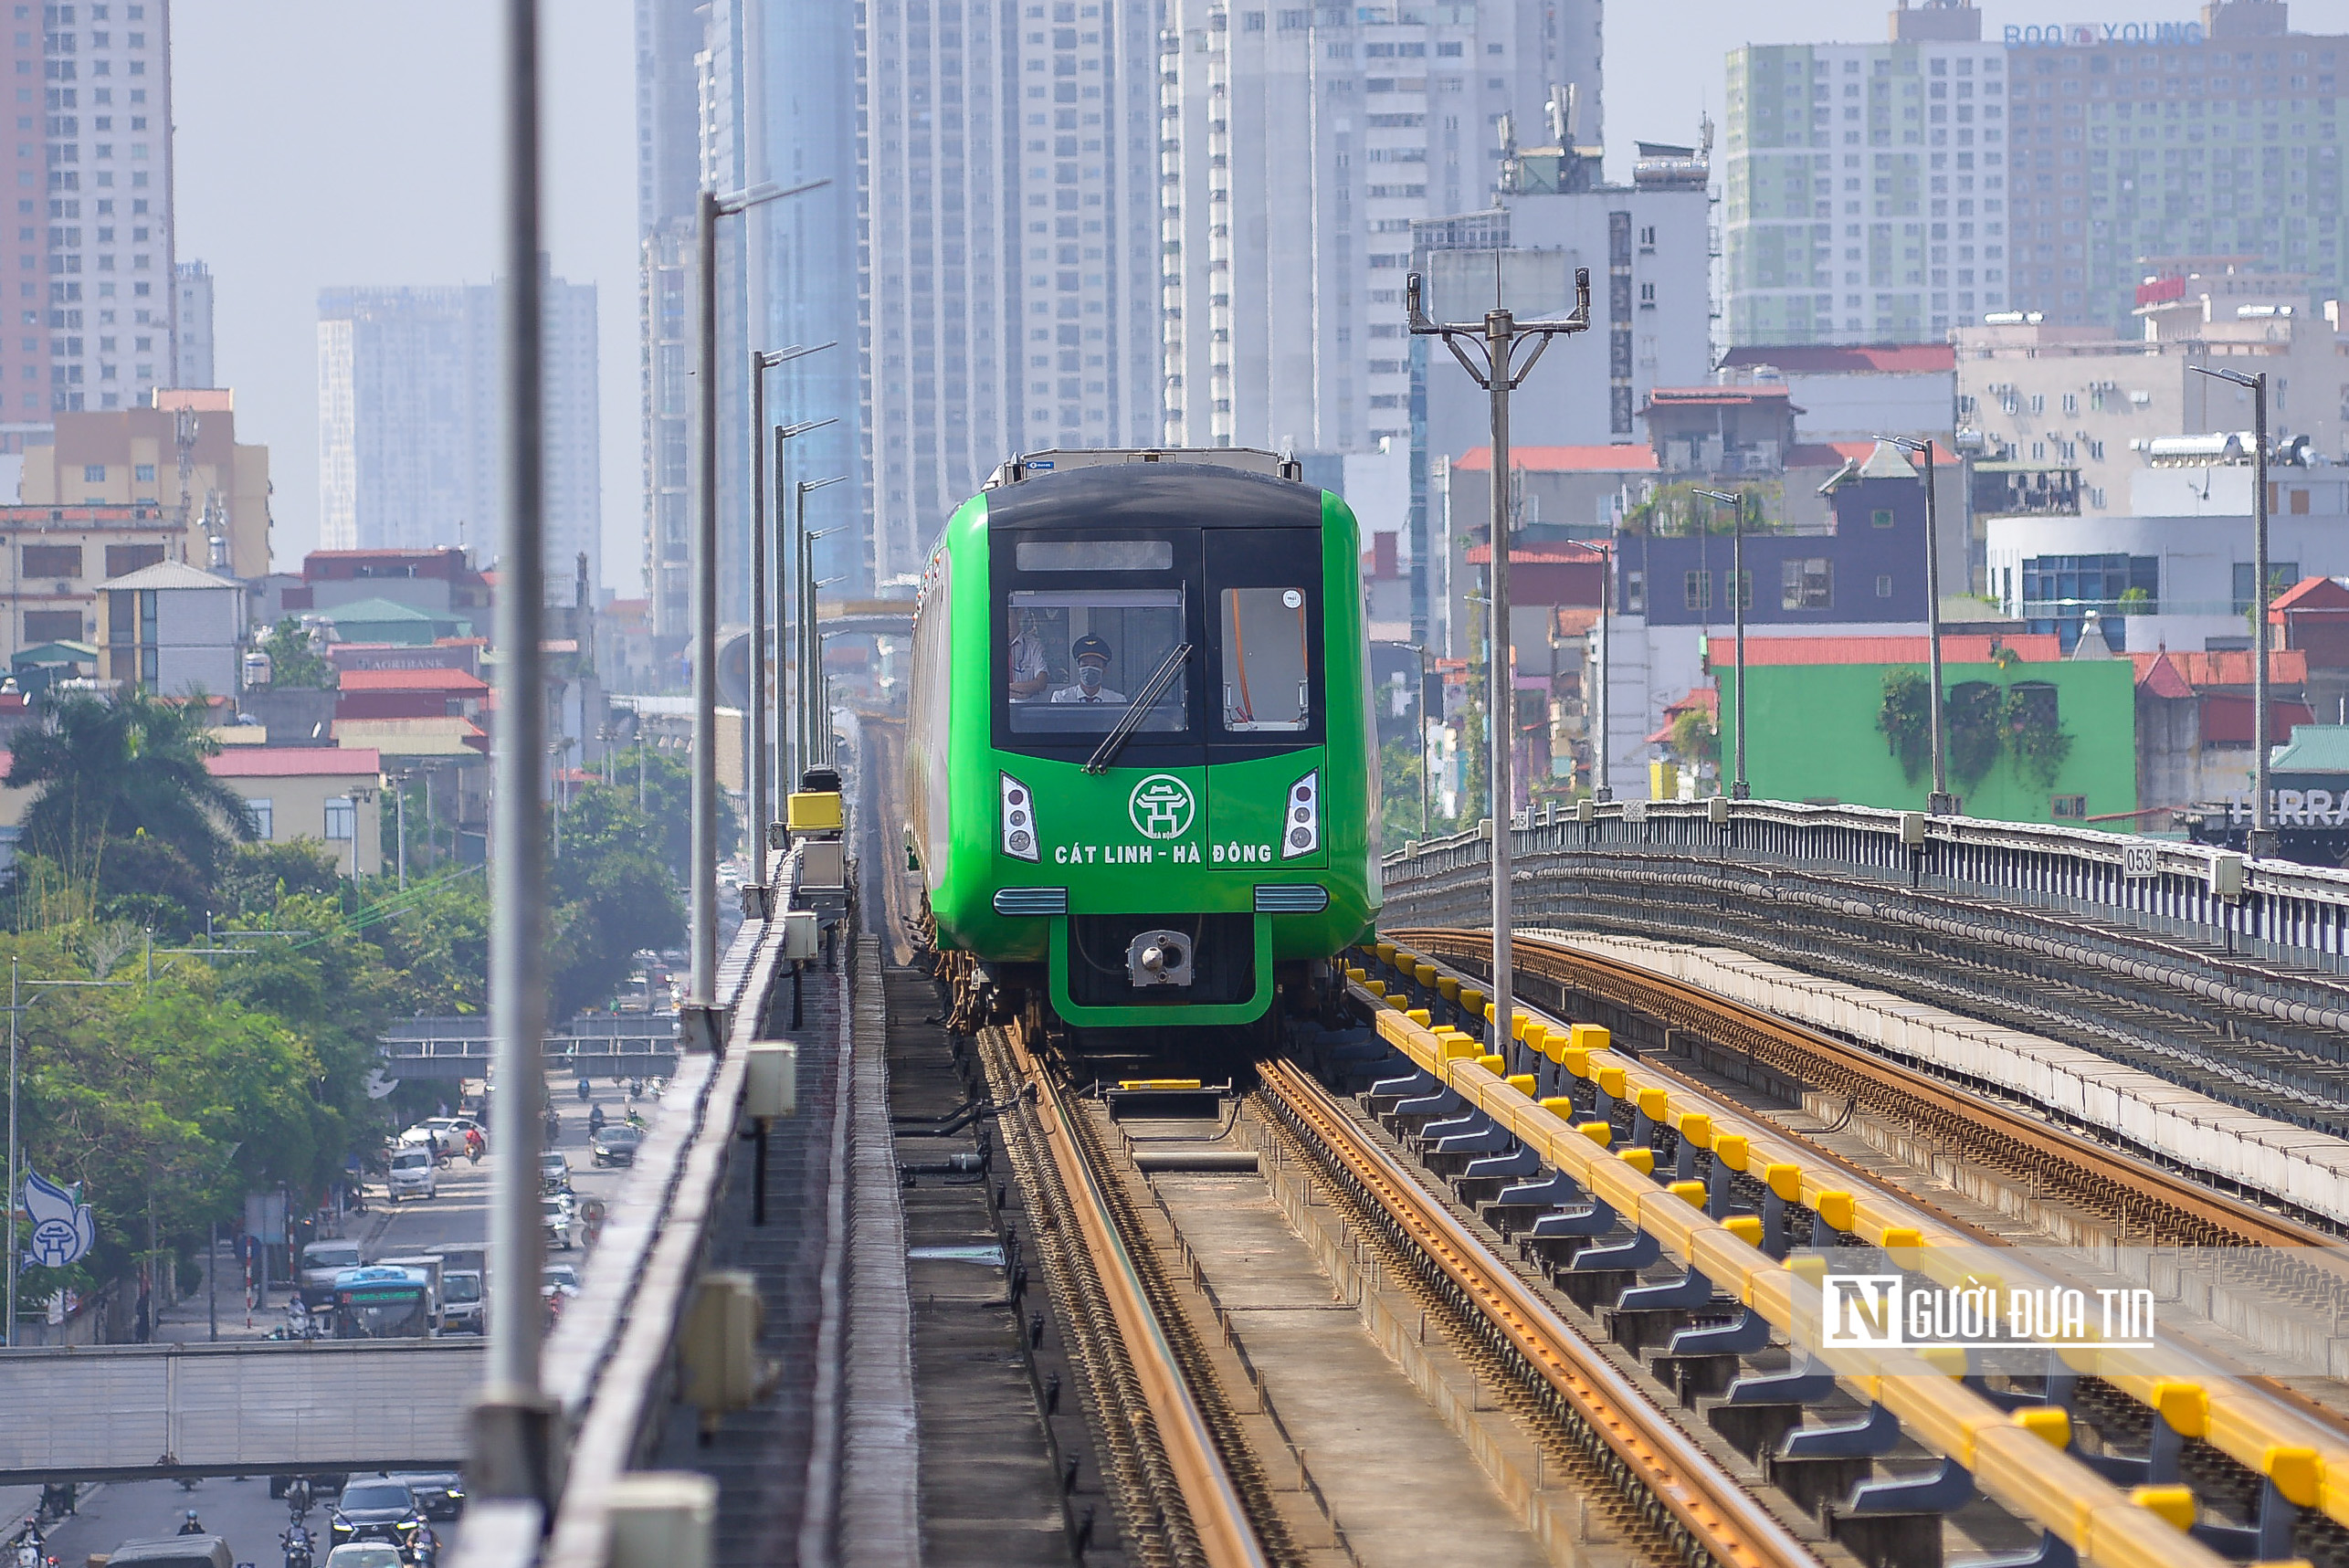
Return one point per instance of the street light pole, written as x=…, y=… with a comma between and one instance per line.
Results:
x=1738, y=789
x=513, y=1424
x=785, y=598
x=1602, y=790
x=805, y=653
x=1940, y=803
x=711, y=206
x=2263, y=841
x=1498, y=371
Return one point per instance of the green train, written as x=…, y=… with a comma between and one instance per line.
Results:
x=1142, y=772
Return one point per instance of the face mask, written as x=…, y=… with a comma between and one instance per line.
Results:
x=1089, y=676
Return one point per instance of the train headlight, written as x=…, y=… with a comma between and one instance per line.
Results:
x=1019, y=839
x=1300, y=820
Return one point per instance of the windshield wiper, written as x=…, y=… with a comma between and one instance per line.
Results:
x=1115, y=741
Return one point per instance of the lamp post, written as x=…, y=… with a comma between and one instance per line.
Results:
x=1601, y=790
x=765, y=583
x=1738, y=789
x=1940, y=803
x=804, y=654
x=1496, y=369
x=785, y=596
x=712, y=205
x=814, y=683
x=2262, y=839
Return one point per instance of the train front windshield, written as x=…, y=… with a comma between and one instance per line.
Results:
x=1094, y=626
x=382, y=1312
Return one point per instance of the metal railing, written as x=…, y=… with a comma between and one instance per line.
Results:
x=2281, y=914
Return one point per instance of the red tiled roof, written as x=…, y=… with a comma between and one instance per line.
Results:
x=295, y=762
x=2231, y=666
x=2310, y=593
x=1567, y=554
x=1843, y=359
x=1572, y=620
x=2161, y=678
x=1624, y=457
x=1956, y=648
x=454, y=680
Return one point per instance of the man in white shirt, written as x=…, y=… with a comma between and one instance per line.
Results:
x=1030, y=673
x=1093, y=659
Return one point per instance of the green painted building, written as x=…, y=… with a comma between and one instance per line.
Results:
x=1816, y=734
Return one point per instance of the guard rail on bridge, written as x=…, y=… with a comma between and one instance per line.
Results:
x=150, y=1412
x=2285, y=916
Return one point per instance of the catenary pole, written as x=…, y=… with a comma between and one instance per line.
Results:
x=1738, y=788
x=1496, y=370
x=513, y=1431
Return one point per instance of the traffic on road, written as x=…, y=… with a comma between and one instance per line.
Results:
x=415, y=1265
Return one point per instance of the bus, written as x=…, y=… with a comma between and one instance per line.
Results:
x=383, y=1302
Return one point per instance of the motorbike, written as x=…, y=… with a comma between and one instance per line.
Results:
x=595, y=1119
x=298, y=1551
x=31, y=1545
x=554, y=1125
x=299, y=1499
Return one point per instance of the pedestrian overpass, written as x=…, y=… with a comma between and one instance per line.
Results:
x=623, y=1045
x=157, y=1411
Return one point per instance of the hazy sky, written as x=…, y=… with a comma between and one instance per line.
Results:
x=334, y=142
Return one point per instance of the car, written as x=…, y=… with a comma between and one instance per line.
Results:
x=412, y=1175
x=564, y=1275
x=365, y=1554
x=555, y=1171
x=440, y=1494
x=615, y=1145
x=322, y=1261
x=375, y=1508
x=555, y=1214
x=461, y=1301
x=174, y=1552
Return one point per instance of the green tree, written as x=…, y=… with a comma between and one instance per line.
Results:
x=1400, y=764
x=1696, y=736
x=612, y=897
x=168, y=1102
x=126, y=806
x=667, y=780
x=294, y=660
x=437, y=942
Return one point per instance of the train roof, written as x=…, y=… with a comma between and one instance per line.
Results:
x=1196, y=494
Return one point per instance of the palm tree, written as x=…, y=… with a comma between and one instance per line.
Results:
x=124, y=780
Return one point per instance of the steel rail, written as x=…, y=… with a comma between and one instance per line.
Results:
x=2017, y=1141
x=1218, y=1514
x=2241, y=1416
x=1726, y=1521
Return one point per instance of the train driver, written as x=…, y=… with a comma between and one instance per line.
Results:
x=1030, y=672
x=1092, y=657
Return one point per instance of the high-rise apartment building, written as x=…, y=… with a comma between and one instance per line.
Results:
x=1865, y=188
x=107, y=116
x=408, y=428
x=23, y=267
x=191, y=313
x=1010, y=262
x=2165, y=149
x=1301, y=146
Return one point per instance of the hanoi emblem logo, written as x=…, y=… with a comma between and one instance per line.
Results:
x=1161, y=806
